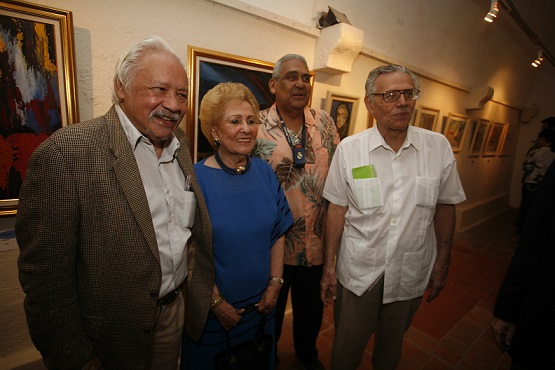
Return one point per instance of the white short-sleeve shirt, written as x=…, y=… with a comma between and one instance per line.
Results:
x=389, y=223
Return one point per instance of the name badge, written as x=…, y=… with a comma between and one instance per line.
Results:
x=299, y=159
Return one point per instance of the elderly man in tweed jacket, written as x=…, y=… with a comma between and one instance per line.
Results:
x=109, y=215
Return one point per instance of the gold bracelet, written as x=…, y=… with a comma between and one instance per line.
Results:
x=276, y=279
x=216, y=301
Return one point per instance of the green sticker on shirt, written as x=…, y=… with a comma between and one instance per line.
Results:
x=364, y=172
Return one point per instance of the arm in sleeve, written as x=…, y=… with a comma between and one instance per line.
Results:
x=47, y=230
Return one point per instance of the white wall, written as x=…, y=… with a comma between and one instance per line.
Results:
x=442, y=52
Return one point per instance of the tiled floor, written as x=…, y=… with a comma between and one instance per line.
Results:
x=452, y=332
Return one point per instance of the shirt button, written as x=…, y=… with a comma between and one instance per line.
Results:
x=154, y=294
x=147, y=330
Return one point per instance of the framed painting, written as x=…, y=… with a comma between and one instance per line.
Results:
x=343, y=109
x=493, y=139
x=39, y=92
x=507, y=143
x=426, y=118
x=208, y=68
x=479, y=137
x=455, y=130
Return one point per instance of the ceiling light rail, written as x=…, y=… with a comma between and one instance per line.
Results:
x=508, y=6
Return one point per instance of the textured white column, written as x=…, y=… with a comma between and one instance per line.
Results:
x=337, y=48
x=478, y=97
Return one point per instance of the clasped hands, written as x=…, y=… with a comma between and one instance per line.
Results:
x=229, y=316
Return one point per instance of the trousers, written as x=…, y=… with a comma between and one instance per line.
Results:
x=357, y=318
x=308, y=309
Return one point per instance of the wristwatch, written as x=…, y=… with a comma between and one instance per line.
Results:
x=276, y=279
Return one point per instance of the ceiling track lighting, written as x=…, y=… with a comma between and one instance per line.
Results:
x=493, y=11
x=539, y=58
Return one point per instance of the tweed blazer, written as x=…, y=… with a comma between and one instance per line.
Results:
x=89, y=261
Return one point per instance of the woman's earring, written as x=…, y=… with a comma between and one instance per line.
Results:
x=217, y=141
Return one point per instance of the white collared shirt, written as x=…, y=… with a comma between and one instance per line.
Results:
x=389, y=223
x=172, y=207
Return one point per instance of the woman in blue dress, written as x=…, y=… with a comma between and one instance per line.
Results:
x=249, y=215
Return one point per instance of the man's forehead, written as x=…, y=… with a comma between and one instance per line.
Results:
x=392, y=78
x=294, y=66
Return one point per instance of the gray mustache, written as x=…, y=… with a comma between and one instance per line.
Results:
x=164, y=114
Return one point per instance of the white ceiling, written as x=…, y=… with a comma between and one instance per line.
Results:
x=446, y=38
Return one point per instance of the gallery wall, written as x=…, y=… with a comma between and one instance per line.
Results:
x=264, y=31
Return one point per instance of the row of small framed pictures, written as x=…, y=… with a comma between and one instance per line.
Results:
x=488, y=139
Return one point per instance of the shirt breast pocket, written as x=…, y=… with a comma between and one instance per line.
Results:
x=427, y=191
x=189, y=209
x=368, y=193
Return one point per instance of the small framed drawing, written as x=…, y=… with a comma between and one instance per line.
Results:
x=507, y=143
x=426, y=118
x=343, y=109
x=479, y=137
x=493, y=139
x=455, y=130
x=39, y=94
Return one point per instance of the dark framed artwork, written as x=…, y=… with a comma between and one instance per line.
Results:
x=427, y=118
x=39, y=92
x=455, y=130
x=493, y=140
x=479, y=137
x=343, y=109
x=208, y=68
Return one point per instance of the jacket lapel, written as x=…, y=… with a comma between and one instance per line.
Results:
x=129, y=177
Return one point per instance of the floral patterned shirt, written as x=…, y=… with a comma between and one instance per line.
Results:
x=536, y=164
x=303, y=186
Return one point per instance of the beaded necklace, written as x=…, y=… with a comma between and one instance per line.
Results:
x=233, y=171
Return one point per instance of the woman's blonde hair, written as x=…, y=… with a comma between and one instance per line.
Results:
x=215, y=101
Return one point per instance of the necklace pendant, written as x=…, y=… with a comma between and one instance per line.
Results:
x=233, y=171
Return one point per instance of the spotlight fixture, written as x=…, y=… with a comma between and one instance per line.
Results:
x=539, y=59
x=493, y=11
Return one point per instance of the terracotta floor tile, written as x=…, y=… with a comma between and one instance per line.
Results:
x=451, y=351
x=421, y=340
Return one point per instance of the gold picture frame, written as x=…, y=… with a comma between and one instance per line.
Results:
x=207, y=68
x=479, y=137
x=427, y=118
x=40, y=100
x=508, y=140
x=343, y=109
x=455, y=130
x=493, y=141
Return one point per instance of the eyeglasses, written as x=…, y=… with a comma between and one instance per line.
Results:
x=394, y=95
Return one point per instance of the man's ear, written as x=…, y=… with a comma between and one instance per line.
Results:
x=272, y=85
x=120, y=91
x=368, y=103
